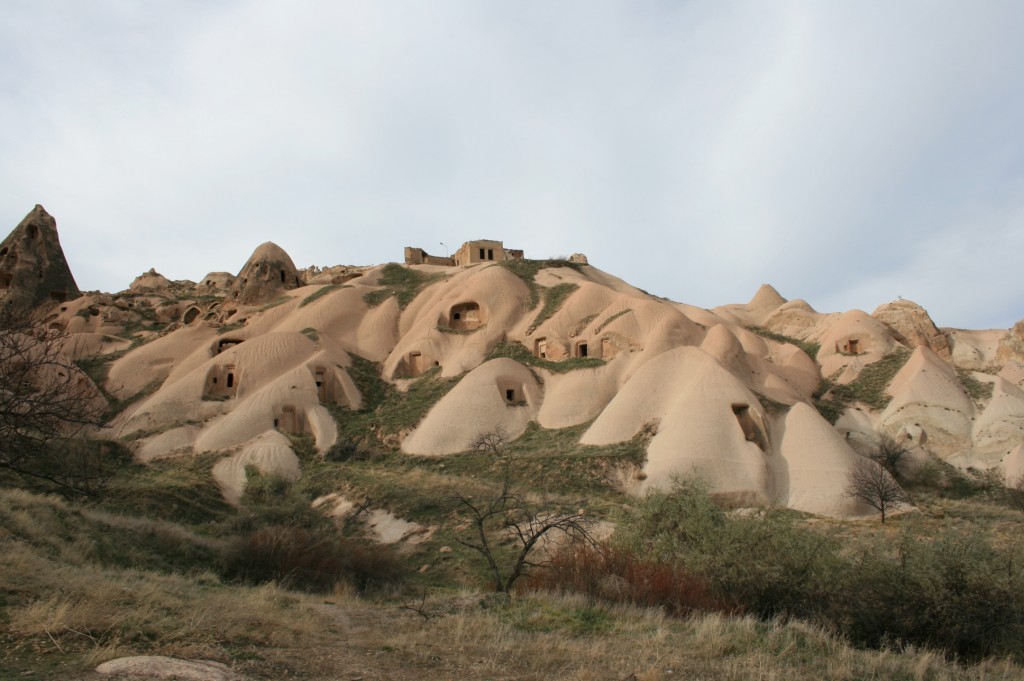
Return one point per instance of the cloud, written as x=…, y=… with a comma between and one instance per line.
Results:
x=840, y=151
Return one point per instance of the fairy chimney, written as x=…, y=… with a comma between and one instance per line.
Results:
x=267, y=274
x=33, y=269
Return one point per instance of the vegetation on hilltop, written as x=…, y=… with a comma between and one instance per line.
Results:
x=402, y=283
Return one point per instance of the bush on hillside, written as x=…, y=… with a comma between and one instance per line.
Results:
x=952, y=591
x=307, y=560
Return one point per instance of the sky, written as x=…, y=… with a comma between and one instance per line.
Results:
x=847, y=152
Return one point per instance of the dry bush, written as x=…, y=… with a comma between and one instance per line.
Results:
x=618, y=575
x=308, y=560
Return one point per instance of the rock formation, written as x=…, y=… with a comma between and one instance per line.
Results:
x=741, y=395
x=267, y=274
x=33, y=269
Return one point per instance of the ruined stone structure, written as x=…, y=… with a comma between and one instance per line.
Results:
x=483, y=250
x=33, y=269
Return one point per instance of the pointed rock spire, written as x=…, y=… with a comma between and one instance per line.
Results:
x=33, y=269
x=766, y=298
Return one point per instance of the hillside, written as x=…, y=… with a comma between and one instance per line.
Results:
x=741, y=394
x=360, y=398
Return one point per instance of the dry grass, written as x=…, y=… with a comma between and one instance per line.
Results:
x=551, y=636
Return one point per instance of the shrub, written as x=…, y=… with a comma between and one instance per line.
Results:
x=955, y=592
x=307, y=560
x=952, y=591
x=618, y=575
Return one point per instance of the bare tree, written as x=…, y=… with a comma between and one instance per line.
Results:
x=871, y=483
x=889, y=452
x=511, y=516
x=46, y=405
x=491, y=441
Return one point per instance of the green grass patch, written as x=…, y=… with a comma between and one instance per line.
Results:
x=274, y=303
x=552, y=460
x=401, y=282
x=319, y=294
x=810, y=348
x=178, y=489
x=386, y=412
x=979, y=391
x=868, y=388
x=554, y=297
x=518, y=352
x=227, y=328
x=527, y=271
x=771, y=406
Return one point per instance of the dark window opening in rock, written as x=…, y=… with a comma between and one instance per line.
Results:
x=5, y=279
x=282, y=276
x=746, y=421
x=235, y=294
x=481, y=254
x=94, y=312
x=209, y=283
x=231, y=380
x=277, y=422
x=581, y=350
x=59, y=296
x=3, y=252
x=33, y=231
x=226, y=344
x=215, y=380
x=854, y=346
x=510, y=395
x=465, y=316
x=490, y=254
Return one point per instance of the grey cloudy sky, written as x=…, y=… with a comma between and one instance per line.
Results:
x=846, y=152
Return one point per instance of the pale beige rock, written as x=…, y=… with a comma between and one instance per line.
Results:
x=267, y=274
x=927, y=393
x=1011, y=346
x=1000, y=426
x=500, y=394
x=270, y=454
x=155, y=668
x=795, y=319
x=818, y=462
x=1013, y=466
x=149, y=281
x=911, y=326
x=975, y=349
x=849, y=342
x=708, y=424
x=171, y=442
